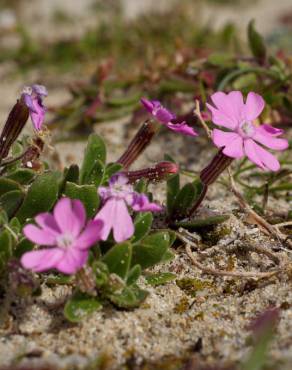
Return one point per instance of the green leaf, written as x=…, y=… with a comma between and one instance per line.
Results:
x=160, y=278
x=3, y=217
x=168, y=256
x=172, y=191
x=96, y=175
x=40, y=197
x=11, y=201
x=256, y=42
x=134, y=274
x=81, y=305
x=6, y=247
x=58, y=279
x=22, y=247
x=110, y=170
x=141, y=186
x=7, y=185
x=143, y=222
x=101, y=273
x=15, y=225
x=22, y=175
x=129, y=99
x=201, y=222
x=118, y=259
x=221, y=60
x=131, y=297
x=150, y=250
x=94, y=152
x=72, y=174
x=183, y=199
x=86, y=193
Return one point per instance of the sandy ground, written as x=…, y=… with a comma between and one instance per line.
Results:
x=172, y=319
x=36, y=330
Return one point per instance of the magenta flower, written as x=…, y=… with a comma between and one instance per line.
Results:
x=165, y=117
x=33, y=97
x=66, y=233
x=114, y=213
x=231, y=112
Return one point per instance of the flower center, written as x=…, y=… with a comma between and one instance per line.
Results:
x=246, y=129
x=65, y=240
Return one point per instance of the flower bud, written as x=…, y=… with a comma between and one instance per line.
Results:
x=214, y=169
x=158, y=172
x=139, y=143
x=16, y=120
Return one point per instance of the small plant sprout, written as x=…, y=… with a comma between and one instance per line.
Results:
x=33, y=98
x=114, y=212
x=67, y=235
x=165, y=117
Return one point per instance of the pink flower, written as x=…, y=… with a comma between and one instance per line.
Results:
x=33, y=97
x=165, y=117
x=66, y=233
x=232, y=113
x=114, y=213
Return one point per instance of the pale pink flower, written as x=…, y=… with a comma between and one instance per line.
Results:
x=165, y=117
x=33, y=98
x=66, y=233
x=117, y=197
x=230, y=112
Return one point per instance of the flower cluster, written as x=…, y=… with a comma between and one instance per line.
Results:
x=70, y=237
x=67, y=232
x=114, y=212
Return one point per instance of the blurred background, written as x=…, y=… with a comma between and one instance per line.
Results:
x=73, y=46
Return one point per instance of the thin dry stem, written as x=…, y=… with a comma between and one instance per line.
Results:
x=197, y=112
x=260, y=221
x=239, y=274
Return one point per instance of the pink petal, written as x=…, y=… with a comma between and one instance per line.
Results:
x=147, y=104
x=221, y=119
x=90, y=235
x=119, y=179
x=260, y=156
x=163, y=115
x=46, y=221
x=270, y=141
x=270, y=130
x=235, y=148
x=230, y=105
x=182, y=128
x=107, y=216
x=235, y=100
x=72, y=261
x=123, y=227
x=223, y=138
x=41, y=260
x=141, y=204
x=39, y=236
x=70, y=216
x=254, y=106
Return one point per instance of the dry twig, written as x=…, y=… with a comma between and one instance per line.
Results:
x=197, y=112
x=239, y=274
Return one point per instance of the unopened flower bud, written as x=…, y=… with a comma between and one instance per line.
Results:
x=158, y=172
x=139, y=143
x=219, y=163
x=16, y=120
